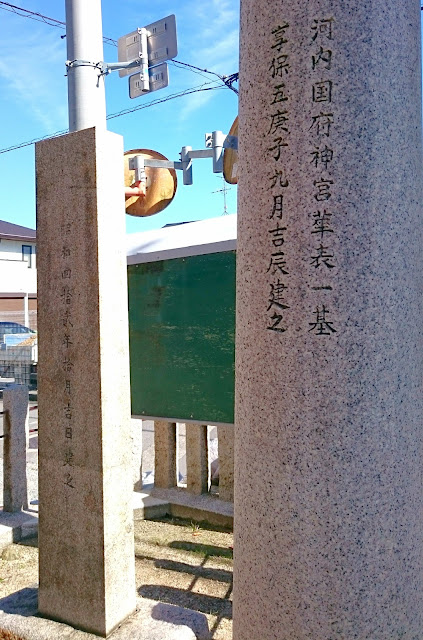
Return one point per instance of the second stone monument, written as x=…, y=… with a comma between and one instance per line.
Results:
x=85, y=455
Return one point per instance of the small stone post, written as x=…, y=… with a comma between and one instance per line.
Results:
x=164, y=454
x=328, y=435
x=16, y=441
x=226, y=462
x=86, y=543
x=197, y=458
x=137, y=454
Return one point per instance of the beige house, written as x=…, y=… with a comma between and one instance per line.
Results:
x=18, y=274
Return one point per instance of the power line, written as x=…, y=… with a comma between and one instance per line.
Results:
x=228, y=80
x=39, y=17
x=52, y=22
x=117, y=115
x=21, y=145
x=180, y=94
x=197, y=70
x=25, y=13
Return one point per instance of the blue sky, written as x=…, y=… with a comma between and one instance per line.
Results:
x=33, y=104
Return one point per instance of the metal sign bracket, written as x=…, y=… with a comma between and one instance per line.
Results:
x=215, y=143
x=144, y=50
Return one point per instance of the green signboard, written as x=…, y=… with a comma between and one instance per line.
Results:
x=181, y=332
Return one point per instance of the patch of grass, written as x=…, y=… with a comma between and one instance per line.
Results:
x=195, y=528
x=203, y=524
x=154, y=541
x=202, y=549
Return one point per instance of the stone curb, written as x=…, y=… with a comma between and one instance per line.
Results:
x=17, y=526
x=175, y=502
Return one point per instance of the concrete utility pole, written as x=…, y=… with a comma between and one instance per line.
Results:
x=84, y=36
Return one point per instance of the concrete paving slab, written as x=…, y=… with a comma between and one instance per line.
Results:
x=146, y=506
x=17, y=526
x=153, y=503
x=197, y=507
x=151, y=621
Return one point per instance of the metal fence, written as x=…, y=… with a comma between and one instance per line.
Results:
x=18, y=358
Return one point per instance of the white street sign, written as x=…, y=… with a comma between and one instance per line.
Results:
x=158, y=76
x=161, y=44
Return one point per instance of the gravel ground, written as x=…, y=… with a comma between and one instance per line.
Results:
x=179, y=564
x=176, y=562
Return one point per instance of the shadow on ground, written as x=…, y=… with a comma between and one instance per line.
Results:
x=188, y=566
x=203, y=549
x=174, y=615
x=23, y=602
x=195, y=601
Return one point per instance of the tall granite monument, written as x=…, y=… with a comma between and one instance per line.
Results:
x=85, y=456
x=328, y=439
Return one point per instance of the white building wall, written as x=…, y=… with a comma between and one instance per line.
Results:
x=12, y=249
x=15, y=274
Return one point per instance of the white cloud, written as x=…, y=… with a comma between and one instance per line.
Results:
x=216, y=15
x=196, y=102
x=224, y=53
x=215, y=32
x=31, y=70
x=212, y=29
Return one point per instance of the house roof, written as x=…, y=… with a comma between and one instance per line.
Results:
x=176, y=241
x=10, y=231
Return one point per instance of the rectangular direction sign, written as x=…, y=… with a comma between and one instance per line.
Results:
x=161, y=44
x=158, y=76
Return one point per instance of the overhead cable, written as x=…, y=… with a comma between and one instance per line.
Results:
x=116, y=115
x=52, y=22
x=39, y=17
